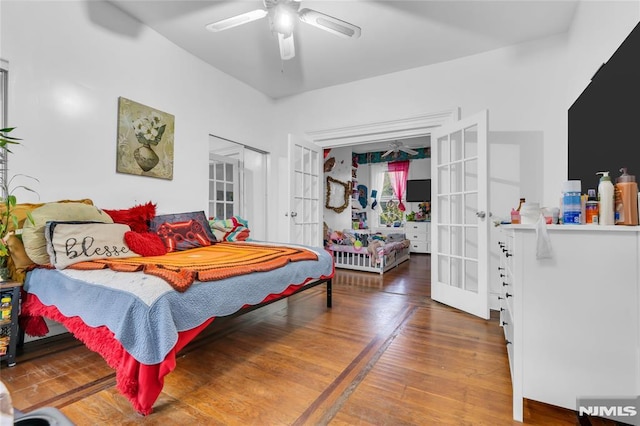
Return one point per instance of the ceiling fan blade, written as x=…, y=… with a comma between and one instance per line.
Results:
x=234, y=21
x=408, y=150
x=329, y=23
x=387, y=153
x=287, y=48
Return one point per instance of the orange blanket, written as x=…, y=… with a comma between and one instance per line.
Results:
x=215, y=262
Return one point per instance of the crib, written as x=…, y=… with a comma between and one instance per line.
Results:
x=388, y=256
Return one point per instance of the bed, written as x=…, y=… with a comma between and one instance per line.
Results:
x=138, y=321
x=136, y=287
x=368, y=252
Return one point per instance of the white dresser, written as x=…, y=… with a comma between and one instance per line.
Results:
x=572, y=322
x=420, y=235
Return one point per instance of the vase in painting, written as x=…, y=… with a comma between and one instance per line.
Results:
x=146, y=157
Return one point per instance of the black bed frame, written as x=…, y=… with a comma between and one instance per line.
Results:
x=303, y=288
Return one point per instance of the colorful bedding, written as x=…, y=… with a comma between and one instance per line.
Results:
x=138, y=322
x=209, y=263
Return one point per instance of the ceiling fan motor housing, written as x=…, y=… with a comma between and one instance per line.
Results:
x=282, y=15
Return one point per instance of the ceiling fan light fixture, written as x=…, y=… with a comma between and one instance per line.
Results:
x=287, y=47
x=283, y=19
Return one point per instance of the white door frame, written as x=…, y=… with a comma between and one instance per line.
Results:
x=381, y=131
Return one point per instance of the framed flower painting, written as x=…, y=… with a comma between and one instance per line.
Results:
x=145, y=140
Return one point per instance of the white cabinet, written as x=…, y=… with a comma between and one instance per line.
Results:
x=420, y=235
x=571, y=322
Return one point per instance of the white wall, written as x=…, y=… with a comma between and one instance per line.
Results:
x=69, y=61
x=517, y=84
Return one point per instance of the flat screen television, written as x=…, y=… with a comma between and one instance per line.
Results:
x=418, y=190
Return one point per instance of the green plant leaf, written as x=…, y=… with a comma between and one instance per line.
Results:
x=30, y=218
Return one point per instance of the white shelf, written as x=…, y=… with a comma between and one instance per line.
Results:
x=578, y=228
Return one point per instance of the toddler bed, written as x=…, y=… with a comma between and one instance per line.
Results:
x=370, y=253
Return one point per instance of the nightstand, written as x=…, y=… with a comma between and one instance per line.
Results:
x=9, y=290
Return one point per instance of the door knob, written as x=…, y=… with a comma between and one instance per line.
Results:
x=481, y=214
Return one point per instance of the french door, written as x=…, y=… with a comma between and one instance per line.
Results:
x=459, y=218
x=224, y=186
x=305, y=209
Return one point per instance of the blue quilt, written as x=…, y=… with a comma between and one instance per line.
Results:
x=145, y=313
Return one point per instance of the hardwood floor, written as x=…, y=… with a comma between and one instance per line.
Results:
x=385, y=354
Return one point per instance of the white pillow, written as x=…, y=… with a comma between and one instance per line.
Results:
x=73, y=242
x=35, y=243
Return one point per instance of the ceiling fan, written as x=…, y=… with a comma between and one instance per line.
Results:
x=397, y=146
x=282, y=14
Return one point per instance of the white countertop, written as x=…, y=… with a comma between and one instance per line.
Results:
x=578, y=228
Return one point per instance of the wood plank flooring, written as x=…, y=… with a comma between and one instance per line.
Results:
x=385, y=354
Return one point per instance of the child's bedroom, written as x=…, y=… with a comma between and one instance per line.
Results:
x=303, y=212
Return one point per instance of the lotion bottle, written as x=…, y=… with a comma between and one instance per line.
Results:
x=606, y=200
x=628, y=190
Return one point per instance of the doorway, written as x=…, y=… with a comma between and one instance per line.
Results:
x=238, y=176
x=382, y=132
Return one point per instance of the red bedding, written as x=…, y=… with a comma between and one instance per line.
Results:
x=140, y=383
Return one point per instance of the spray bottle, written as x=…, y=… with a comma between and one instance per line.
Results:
x=606, y=200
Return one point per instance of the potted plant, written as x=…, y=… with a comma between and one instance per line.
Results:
x=8, y=201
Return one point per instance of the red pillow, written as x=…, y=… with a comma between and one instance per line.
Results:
x=137, y=217
x=145, y=243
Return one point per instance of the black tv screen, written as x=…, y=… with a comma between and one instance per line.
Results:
x=418, y=190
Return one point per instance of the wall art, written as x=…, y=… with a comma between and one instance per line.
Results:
x=145, y=140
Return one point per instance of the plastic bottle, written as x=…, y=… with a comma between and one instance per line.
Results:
x=605, y=200
x=5, y=308
x=571, y=207
x=628, y=199
x=591, y=208
x=515, y=217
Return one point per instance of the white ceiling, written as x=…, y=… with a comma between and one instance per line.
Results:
x=396, y=35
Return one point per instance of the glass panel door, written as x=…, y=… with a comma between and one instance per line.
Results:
x=305, y=206
x=224, y=187
x=459, y=220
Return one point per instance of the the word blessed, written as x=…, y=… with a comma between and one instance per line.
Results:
x=77, y=248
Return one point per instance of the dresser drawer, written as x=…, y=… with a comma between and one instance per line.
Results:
x=420, y=246
x=411, y=227
x=416, y=236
